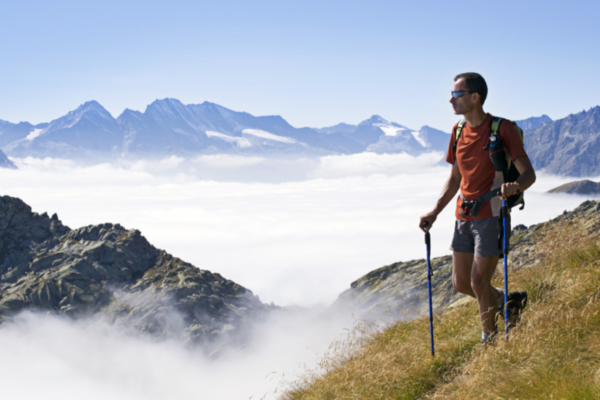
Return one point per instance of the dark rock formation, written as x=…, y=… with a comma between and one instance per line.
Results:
x=578, y=187
x=114, y=273
x=399, y=289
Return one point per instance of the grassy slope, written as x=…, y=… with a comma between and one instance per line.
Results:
x=553, y=354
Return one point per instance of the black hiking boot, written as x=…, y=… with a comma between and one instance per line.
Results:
x=517, y=301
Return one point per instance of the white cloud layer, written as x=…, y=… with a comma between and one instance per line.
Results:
x=294, y=231
x=297, y=242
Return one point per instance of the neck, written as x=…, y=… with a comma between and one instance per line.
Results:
x=475, y=117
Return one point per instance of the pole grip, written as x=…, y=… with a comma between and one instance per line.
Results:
x=427, y=237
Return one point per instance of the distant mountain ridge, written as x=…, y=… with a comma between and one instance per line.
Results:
x=533, y=122
x=168, y=127
x=568, y=146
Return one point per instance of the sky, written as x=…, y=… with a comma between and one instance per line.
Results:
x=316, y=63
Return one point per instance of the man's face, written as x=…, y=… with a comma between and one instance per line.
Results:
x=465, y=103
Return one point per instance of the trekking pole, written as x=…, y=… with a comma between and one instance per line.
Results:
x=429, y=274
x=505, y=251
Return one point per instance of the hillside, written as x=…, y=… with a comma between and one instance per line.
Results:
x=553, y=353
x=399, y=288
x=113, y=273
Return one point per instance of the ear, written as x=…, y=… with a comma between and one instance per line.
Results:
x=477, y=97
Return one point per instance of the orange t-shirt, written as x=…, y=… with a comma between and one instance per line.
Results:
x=475, y=165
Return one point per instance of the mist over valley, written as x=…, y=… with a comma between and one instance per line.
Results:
x=296, y=242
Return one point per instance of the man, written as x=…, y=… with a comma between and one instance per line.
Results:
x=476, y=246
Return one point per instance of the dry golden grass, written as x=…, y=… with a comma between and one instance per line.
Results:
x=554, y=353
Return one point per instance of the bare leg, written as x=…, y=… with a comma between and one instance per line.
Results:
x=462, y=264
x=472, y=276
x=481, y=278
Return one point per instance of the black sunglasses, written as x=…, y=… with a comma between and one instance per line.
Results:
x=460, y=93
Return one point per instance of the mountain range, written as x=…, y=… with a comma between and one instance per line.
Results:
x=568, y=146
x=168, y=127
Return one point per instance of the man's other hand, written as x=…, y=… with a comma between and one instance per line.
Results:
x=510, y=189
x=430, y=219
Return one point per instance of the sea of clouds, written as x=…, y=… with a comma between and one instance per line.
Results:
x=294, y=231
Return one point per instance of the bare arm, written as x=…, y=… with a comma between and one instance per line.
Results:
x=448, y=192
x=526, y=179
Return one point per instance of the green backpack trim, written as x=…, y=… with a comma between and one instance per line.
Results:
x=457, y=133
x=494, y=130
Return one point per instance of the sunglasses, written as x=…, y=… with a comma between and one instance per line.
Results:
x=460, y=93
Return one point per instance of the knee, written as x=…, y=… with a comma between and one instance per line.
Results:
x=461, y=286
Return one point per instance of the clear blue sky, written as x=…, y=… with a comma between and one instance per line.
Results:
x=316, y=63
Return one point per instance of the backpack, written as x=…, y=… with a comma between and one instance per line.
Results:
x=502, y=163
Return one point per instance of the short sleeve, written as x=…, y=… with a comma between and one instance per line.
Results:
x=450, y=156
x=511, y=140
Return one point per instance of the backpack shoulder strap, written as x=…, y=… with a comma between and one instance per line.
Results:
x=519, y=130
x=457, y=132
x=495, y=127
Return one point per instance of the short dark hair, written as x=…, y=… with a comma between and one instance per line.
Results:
x=474, y=83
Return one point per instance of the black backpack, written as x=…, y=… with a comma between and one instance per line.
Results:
x=502, y=163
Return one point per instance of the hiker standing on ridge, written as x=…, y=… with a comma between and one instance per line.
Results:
x=477, y=241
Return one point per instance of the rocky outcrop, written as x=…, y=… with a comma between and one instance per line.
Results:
x=578, y=187
x=400, y=289
x=113, y=273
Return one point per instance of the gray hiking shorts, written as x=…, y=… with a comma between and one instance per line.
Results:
x=482, y=237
